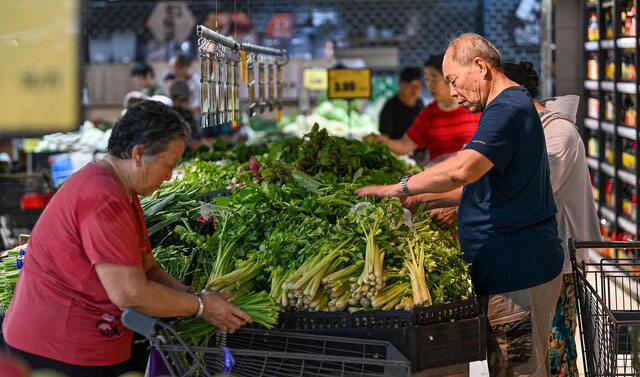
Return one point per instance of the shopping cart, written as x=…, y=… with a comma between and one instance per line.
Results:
x=256, y=353
x=608, y=295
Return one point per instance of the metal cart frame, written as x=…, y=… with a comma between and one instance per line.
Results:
x=608, y=310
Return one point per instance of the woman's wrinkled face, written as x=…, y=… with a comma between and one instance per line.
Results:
x=436, y=84
x=152, y=171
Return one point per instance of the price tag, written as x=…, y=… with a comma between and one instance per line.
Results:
x=349, y=83
x=314, y=78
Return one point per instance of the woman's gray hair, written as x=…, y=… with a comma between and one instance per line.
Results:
x=469, y=46
x=150, y=124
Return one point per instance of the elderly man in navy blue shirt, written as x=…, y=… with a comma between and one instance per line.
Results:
x=507, y=225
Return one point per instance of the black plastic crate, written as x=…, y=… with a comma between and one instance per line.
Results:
x=432, y=337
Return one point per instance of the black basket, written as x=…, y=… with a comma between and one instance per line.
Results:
x=258, y=353
x=431, y=337
x=608, y=311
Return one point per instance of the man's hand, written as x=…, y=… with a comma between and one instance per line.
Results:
x=223, y=314
x=412, y=203
x=379, y=190
x=444, y=217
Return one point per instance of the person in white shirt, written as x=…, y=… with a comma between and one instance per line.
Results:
x=577, y=217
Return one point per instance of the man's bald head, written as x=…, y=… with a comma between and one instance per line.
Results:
x=467, y=47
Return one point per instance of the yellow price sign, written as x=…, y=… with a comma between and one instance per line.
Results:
x=315, y=79
x=39, y=65
x=349, y=83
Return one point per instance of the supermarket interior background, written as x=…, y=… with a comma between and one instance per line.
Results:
x=71, y=69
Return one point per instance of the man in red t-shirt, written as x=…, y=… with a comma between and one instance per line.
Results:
x=442, y=127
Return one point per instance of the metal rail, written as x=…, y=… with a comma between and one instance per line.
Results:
x=229, y=42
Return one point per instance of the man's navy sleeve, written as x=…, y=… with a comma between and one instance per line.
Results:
x=496, y=138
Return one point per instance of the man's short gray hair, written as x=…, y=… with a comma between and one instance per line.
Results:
x=466, y=47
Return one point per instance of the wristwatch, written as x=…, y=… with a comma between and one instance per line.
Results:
x=405, y=187
x=200, y=305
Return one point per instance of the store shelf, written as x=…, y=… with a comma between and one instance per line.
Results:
x=608, y=214
x=624, y=87
x=606, y=44
x=627, y=177
x=627, y=132
x=591, y=85
x=593, y=163
x=607, y=169
x=608, y=128
x=591, y=124
x=627, y=225
x=628, y=42
x=591, y=46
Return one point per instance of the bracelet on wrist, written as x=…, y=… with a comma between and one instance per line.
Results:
x=404, y=185
x=200, y=306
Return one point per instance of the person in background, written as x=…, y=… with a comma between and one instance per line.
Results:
x=133, y=98
x=508, y=229
x=577, y=217
x=180, y=95
x=90, y=258
x=143, y=78
x=167, y=80
x=400, y=111
x=181, y=68
x=443, y=127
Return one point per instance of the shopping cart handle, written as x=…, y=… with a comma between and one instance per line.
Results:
x=604, y=244
x=140, y=323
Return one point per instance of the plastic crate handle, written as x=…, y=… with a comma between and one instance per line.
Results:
x=140, y=323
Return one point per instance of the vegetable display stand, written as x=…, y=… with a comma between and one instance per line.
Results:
x=430, y=337
x=257, y=353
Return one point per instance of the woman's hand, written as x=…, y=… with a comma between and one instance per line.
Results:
x=223, y=314
x=378, y=190
x=444, y=217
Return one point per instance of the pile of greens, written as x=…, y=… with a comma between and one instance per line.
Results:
x=293, y=235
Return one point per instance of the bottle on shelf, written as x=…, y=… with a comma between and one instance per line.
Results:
x=592, y=66
x=629, y=202
x=609, y=107
x=629, y=154
x=610, y=66
x=608, y=24
x=593, y=31
x=629, y=109
x=628, y=69
x=609, y=144
x=595, y=183
x=593, y=105
x=607, y=230
x=594, y=147
x=628, y=17
x=610, y=192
